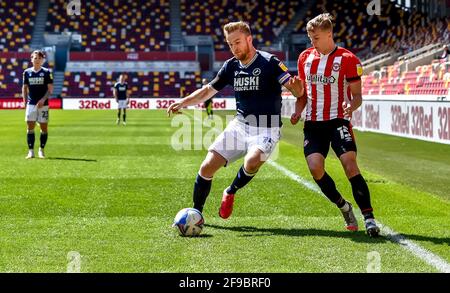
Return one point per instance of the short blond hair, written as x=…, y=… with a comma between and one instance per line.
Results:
x=241, y=26
x=322, y=21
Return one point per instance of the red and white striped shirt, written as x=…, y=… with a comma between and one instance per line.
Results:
x=327, y=79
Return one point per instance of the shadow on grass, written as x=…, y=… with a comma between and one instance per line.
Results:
x=71, y=159
x=249, y=231
x=359, y=236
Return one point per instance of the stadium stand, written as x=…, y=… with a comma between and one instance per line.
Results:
x=17, y=26
x=144, y=26
x=395, y=30
x=141, y=84
x=266, y=17
x=115, y=25
x=11, y=70
x=431, y=79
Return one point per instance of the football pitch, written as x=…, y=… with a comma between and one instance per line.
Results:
x=105, y=197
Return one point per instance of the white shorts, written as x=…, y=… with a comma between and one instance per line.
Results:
x=33, y=114
x=122, y=104
x=238, y=138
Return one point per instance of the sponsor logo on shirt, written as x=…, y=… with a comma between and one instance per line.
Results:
x=250, y=83
x=314, y=78
x=36, y=80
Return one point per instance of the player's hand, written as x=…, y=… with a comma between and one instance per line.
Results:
x=347, y=108
x=295, y=118
x=295, y=86
x=40, y=103
x=174, y=108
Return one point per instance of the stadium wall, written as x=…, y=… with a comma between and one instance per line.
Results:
x=147, y=104
x=424, y=118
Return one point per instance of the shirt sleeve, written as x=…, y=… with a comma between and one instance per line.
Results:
x=49, y=77
x=222, y=78
x=301, y=66
x=353, y=68
x=25, y=78
x=280, y=70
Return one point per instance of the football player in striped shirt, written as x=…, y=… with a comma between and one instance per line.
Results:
x=36, y=89
x=208, y=103
x=332, y=77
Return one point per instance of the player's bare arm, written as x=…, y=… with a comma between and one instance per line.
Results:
x=355, y=103
x=197, y=97
x=295, y=86
x=128, y=97
x=25, y=93
x=300, y=105
x=115, y=94
x=47, y=95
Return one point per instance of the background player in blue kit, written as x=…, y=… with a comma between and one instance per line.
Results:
x=208, y=103
x=36, y=89
x=120, y=91
x=257, y=78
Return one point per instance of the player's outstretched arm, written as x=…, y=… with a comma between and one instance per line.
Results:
x=197, y=97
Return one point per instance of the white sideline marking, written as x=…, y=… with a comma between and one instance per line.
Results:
x=420, y=252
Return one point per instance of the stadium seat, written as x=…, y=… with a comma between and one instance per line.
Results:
x=115, y=25
x=16, y=25
x=267, y=18
x=141, y=84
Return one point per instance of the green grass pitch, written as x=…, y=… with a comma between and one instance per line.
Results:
x=110, y=193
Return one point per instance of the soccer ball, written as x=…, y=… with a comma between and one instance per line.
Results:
x=189, y=222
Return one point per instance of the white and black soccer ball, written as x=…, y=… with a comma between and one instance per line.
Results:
x=189, y=222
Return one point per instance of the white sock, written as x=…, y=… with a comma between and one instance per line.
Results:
x=346, y=207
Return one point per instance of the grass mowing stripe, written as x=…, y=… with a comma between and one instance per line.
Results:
x=420, y=252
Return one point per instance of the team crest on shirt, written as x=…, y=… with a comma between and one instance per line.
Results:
x=41, y=74
x=336, y=66
x=256, y=72
x=305, y=143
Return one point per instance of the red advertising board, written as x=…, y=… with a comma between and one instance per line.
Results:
x=17, y=103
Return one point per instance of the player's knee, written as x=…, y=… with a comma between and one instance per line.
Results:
x=207, y=168
x=252, y=164
x=316, y=169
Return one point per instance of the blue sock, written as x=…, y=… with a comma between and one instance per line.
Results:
x=202, y=187
x=241, y=179
x=30, y=139
x=43, y=139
